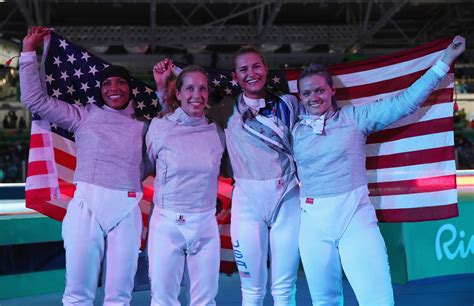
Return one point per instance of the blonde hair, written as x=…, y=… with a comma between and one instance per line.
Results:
x=245, y=49
x=172, y=102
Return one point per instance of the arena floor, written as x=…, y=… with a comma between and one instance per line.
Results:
x=441, y=291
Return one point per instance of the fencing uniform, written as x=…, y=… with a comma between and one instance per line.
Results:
x=338, y=222
x=265, y=212
x=183, y=234
x=104, y=211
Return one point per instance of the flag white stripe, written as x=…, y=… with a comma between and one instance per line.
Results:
x=40, y=154
x=65, y=174
x=447, y=82
x=292, y=85
x=410, y=144
x=62, y=202
x=149, y=181
x=64, y=144
x=412, y=172
x=413, y=200
x=227, y=254
x=42, y=181
x=224, y=229
x=387, y=72
x=426, y=113
x=40, y=127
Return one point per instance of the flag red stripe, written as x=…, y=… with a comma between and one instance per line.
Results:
x=428, y=213
x=412, y=130
x=37, y=141
x=377, y=88
x=227, y=267
x=65, y=159
x=37, y=168
x=33, y=196
x=226, y=242
x=43, y=207
x=148, y=194
x=439, y=96
x=66, y=188
x=410, y=158
x=292, y=74
x=145, y=219
x=391, y=59
x=53, y=211
x=429, y=184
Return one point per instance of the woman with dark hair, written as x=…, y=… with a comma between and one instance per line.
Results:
x=338, y=222
x=187, y=150
x=104, y=211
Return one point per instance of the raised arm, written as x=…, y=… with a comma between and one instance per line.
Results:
x=376, y=116
x=32, y=94
x=455, y=48
x=161, y=73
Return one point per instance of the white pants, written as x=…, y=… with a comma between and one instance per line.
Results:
x=253, y=238
x=87, y=245
x=343, y=230
x=183, y=243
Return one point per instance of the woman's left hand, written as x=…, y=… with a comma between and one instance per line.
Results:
x=455, y=48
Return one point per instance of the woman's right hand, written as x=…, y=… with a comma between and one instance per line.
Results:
x=34, y=37
x=161, y=73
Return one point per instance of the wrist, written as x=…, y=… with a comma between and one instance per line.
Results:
x=28, y=48
x=160, y=86
x=448, y=61
x=441, y=68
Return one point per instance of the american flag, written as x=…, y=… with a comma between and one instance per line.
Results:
x=410, y=165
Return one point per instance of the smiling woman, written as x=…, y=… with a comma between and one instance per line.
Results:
x=192, y=91
x=116, y=92
x=104, y=210
x=338, y=221
x=251, y=72
x=265, y=212
x=187, y=150
x=115, y=87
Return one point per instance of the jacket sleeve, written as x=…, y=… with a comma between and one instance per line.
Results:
x=375, y=116
x=225, y=169
x=154, y=139
x=161, y=96
x=294, y=107
x=34, y=98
